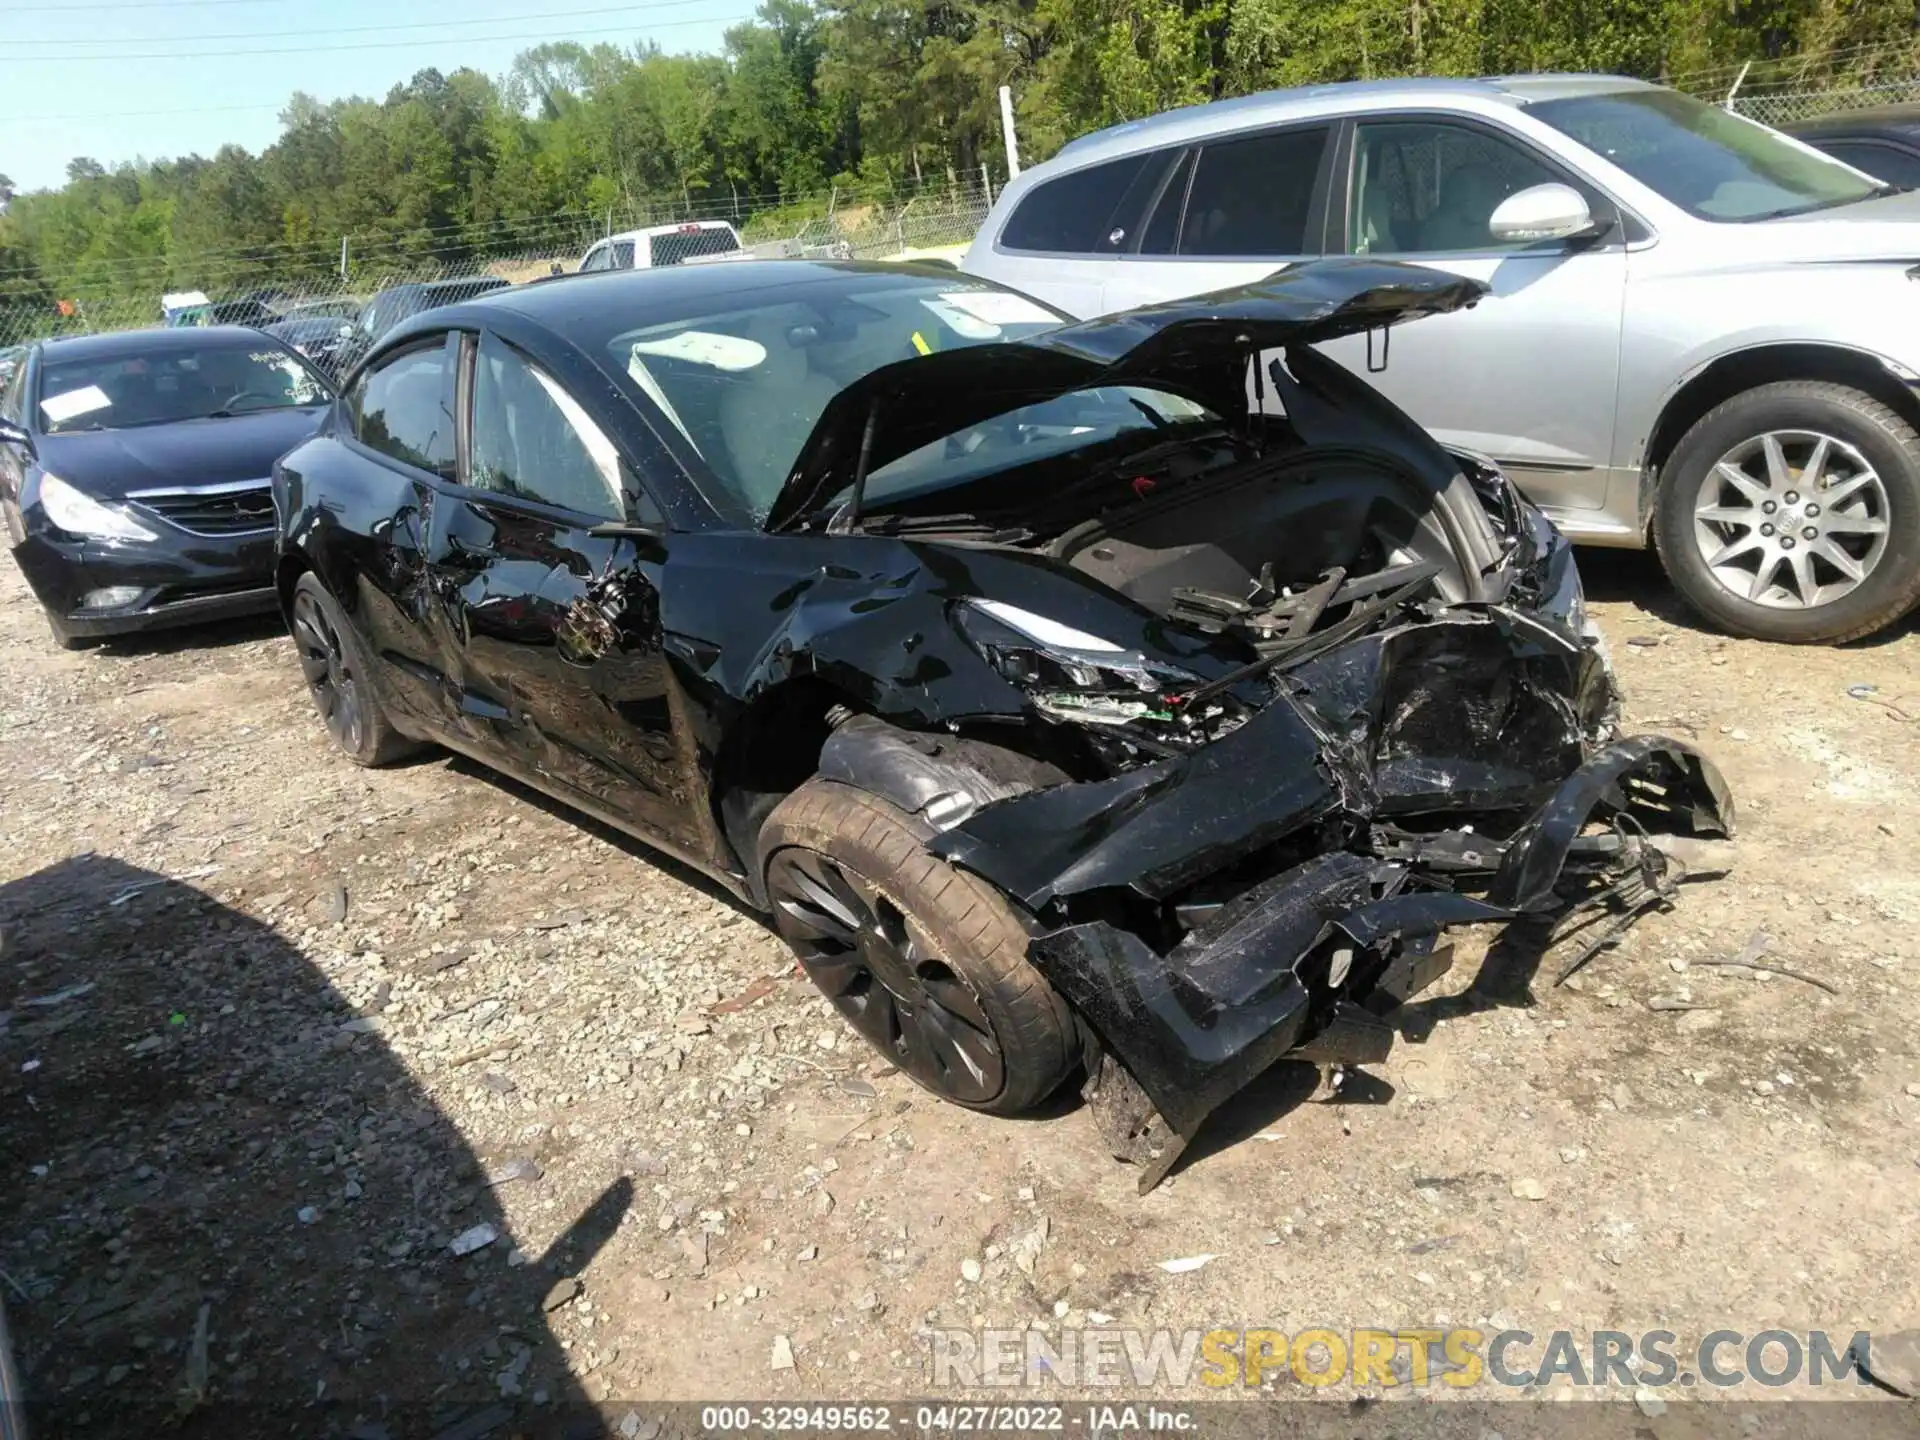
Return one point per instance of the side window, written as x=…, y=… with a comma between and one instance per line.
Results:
x=1884, y=162
x=532, y=440
x=1162, y=234
x=1075, y=213
x=1252, y=196
x=403, y=407
x=596, y=259
x=622, y=256
x=1426, y=188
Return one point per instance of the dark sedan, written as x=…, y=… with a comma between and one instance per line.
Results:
x=134, y=473
x=1064, y=711
x=328, y=343
x=1884, y=141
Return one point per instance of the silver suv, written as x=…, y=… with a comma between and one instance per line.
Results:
x=1701, y=333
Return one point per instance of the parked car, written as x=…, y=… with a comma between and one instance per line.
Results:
x=134, y=473
x=1884, y=142
x=396, y=303
x=1697, y=335
x=661, y=245
x=242, y=311
x=329, y=343
x=337, y=307
x=1060, y=712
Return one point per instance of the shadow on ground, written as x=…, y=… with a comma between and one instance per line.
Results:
x=213, y=635
x=227, y=1205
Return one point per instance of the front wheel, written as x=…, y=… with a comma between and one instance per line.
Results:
x=927, y=962
x=1792, y=513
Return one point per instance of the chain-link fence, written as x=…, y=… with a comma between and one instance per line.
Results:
x=327, y=282
x=1793, y=88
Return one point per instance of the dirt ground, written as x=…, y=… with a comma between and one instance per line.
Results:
x=275, y=1031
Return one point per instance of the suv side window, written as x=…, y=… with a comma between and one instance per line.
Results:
x=622, y=256
x=1252, y=195
x=1075, y=214
x=597, y=259
x=403, y=407
x=1423, y=187
x=534, y=441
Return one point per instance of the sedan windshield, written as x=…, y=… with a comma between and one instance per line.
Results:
x=745, y=387
x=1710, y=162
x=174, y=384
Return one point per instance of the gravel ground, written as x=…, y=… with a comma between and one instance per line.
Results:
x=397, y=1096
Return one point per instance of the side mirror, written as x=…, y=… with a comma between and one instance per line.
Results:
x=1541, y=212
x=12, y=434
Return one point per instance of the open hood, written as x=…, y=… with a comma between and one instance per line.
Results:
x=1196, y=347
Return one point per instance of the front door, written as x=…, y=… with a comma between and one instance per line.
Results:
x=562, y=669
x=1529, y=376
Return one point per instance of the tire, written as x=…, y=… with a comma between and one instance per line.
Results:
x=831, y=852
x=1862, y=436
x=338, y=673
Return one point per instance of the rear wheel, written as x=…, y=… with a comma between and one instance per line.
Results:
x=338, y=677
x=1792, y=513
x=926, y=961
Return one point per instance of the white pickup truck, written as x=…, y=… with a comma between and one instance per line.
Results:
x=663, y=245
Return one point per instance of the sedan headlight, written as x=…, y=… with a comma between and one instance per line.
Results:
x=1069, y=673
x=80, y=514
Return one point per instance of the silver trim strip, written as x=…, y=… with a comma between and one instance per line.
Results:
x=230, y=487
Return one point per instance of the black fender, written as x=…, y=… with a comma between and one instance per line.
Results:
x=938, y=779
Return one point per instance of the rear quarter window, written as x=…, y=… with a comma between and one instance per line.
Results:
x=1076, y=212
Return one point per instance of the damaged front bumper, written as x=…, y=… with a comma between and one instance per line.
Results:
x=1311, y=961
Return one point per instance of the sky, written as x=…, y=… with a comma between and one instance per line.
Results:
x=158, y=79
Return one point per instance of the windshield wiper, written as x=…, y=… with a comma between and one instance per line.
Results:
x=1160, y=422
x=1787, y=211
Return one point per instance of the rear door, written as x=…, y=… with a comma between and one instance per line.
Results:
x=398, y=440
x=1225, y=213
x=1530, y=376
x=558, y=628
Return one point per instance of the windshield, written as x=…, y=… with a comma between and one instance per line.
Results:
x=671, y=249
x=127, y=390
x=1710, y=162
x=746, y=387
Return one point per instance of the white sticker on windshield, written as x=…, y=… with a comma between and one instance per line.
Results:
x=960, y=322
x=61, y=408
x=702, y=347
x=997, y=307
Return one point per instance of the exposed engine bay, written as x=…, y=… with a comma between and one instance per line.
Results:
x=1287, y=697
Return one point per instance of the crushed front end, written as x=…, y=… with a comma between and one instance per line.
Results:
x=1276, y=878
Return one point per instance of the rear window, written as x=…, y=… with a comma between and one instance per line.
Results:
x=1076, y=212
x=685, y=244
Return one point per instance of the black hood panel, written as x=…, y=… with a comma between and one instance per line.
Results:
x=1196, y=347
x=109, y=463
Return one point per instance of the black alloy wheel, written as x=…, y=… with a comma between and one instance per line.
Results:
x=336, y=668
x=330, y=674
x=881, y=971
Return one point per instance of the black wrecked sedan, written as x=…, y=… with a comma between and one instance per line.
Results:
x=135, y=472
x=1141, y=699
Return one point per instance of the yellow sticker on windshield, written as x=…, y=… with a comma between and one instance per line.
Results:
x=920, y=343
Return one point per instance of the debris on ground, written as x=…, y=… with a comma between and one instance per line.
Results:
x=468, y=1241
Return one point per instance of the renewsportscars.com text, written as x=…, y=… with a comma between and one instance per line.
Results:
x=1452, y=1356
